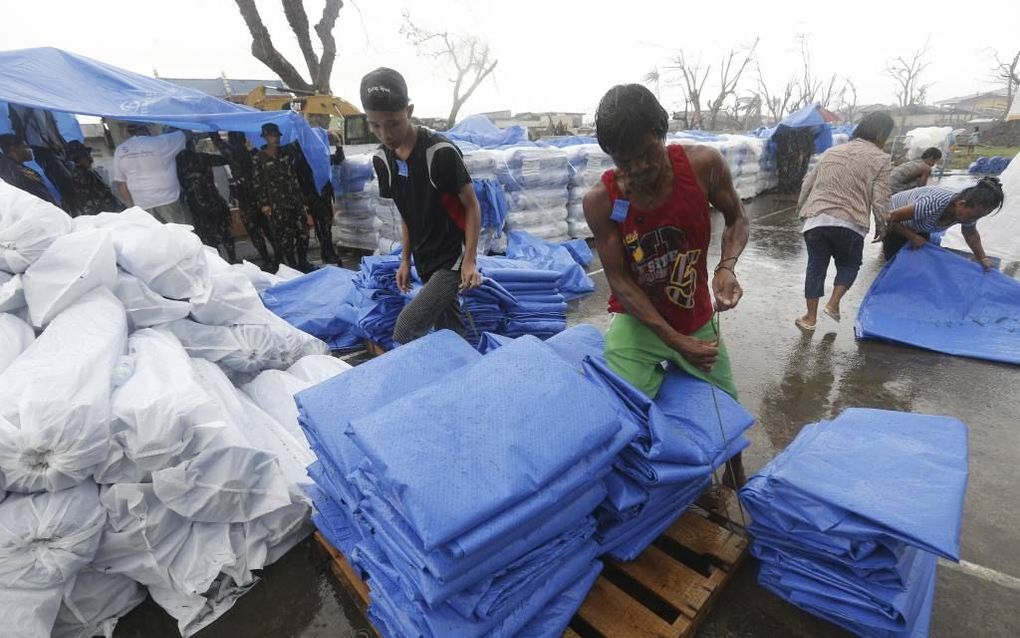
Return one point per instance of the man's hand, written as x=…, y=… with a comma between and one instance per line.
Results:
x=986, y=263
x=726, y=289
x=918, y=242
x=404, y=276
x=267, y=211
x=469, y=275
x=701, y=354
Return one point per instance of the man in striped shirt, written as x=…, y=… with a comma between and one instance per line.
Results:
x=918, y=212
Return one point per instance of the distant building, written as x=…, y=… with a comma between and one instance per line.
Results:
x=539, y=123
x=988, y=104
x=226, y=88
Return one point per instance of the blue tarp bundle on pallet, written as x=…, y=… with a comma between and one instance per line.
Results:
x=319, y=303
x=849, y=519
x=933, y=299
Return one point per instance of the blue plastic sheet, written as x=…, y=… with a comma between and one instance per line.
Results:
x=493, y=204
x=322, y=303
x=554, y=619
x=55, y=80
x=849, y=519
x=580, y=251
x=988, y=165
x=933, y=299
x=479, y=131
x=573, y=282
x=512, y=457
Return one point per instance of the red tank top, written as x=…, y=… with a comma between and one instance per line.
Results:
x=668, y=248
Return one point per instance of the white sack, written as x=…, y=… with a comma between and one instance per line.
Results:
x=28, y=225
x=231, y=299
x=259, y=278
x=316, y=368
x=168, y=258
x=95, y=603
x=29, y=613
x=15, y=337
x=12, y=292
x=144, y=307
x=47, y=537
x=72, y=265
x=55, y=397
x=195, y=613
x=290, y=449
x=159, y=405
x=273, y=391
x=286, y=273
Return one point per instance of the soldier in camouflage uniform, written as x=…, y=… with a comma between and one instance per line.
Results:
x=242, y=189
x=210, y=212
x=89, y=193
x=279, y=196
x=320, y=207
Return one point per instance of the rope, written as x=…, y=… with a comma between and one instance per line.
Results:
x=716, y=327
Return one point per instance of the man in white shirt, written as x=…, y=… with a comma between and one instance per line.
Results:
x=145, y=173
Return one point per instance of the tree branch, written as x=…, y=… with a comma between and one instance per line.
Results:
x=298, y=21
x=264, y=51
x=324, y=29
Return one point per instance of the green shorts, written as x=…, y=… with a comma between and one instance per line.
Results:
x=636, y=353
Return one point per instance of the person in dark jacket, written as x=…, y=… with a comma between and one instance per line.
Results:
x=89, y=193
x=209, y=211
x=14, y=172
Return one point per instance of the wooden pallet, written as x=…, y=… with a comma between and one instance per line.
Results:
x=666, y=593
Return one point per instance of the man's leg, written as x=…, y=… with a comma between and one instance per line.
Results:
x=286, y=235
x=223, y=221
x=848, y=253
x=819, y=251
x=432, y=302
x=323, y=218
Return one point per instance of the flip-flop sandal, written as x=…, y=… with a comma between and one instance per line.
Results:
x=835, y=316
x=803, y=325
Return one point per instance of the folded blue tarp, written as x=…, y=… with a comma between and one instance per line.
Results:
x=849, y=519
x=480, y=131
x=512, y=454
x=55, y=80
x=934, y=299
x=573, y=283
x=321, y=303
x=552, y=621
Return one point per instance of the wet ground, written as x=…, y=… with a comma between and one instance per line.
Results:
x=788, y=379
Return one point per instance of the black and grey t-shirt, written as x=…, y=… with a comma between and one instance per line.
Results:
x=425, y=189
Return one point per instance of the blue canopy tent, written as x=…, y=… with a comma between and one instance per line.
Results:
x=55, y=80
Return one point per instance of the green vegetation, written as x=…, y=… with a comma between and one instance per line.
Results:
x=961, y=160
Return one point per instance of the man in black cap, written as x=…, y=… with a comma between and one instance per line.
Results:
x=279, y=196
x=13, y=169
x=423, y=172
x=89, y=193
x=209, y=210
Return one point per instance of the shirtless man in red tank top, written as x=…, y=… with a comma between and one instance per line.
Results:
x=652, y=226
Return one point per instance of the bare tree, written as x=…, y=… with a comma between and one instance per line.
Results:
x=653, y=77
x=848, y=101
x=776, y=104
x=731, y=68
x=692, y=82
x=471, y=58
x=320, y=66
x=906, y=71
x=1007, y=71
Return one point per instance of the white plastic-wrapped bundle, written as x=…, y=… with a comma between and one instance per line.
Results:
x=389, y=223
x=144, y=307
x=55, y=397
x=919, y=139
x=317, y=368
x=355, y=218
x=259, y=278
x=28, y=225
x=168, y=257
x=483, y=163
x=95, y=603
x=70, y=267
x=15, y=337
x=157, y=408
x=12, y=292
x=230, y=299
x=45, y=540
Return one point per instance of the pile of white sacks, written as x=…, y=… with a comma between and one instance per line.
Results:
x=148, y=438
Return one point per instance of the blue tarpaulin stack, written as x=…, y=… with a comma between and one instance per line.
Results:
x=848, y=521
x=931, y=298
x=472, y=518
x=574, y=281
x=381, y=300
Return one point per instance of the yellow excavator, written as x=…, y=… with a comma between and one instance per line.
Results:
x=328, y=111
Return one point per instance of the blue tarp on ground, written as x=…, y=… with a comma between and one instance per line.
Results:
x=934, y=299
x=574, y=281
x=56, y=80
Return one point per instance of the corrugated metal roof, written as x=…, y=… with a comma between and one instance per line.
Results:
x=217, y=87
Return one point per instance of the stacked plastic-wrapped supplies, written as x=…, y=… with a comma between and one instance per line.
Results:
x=489, y=539
x=587, y=164
x=535, y=179
x=481, y=166
x=360, y=204
x=849, y=520
x=129, y=461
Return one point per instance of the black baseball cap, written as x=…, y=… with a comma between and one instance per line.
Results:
x=384, y=90
x=76, y=150
x=271, y=128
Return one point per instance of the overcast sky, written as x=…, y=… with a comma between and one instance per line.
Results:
x=553, y=55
